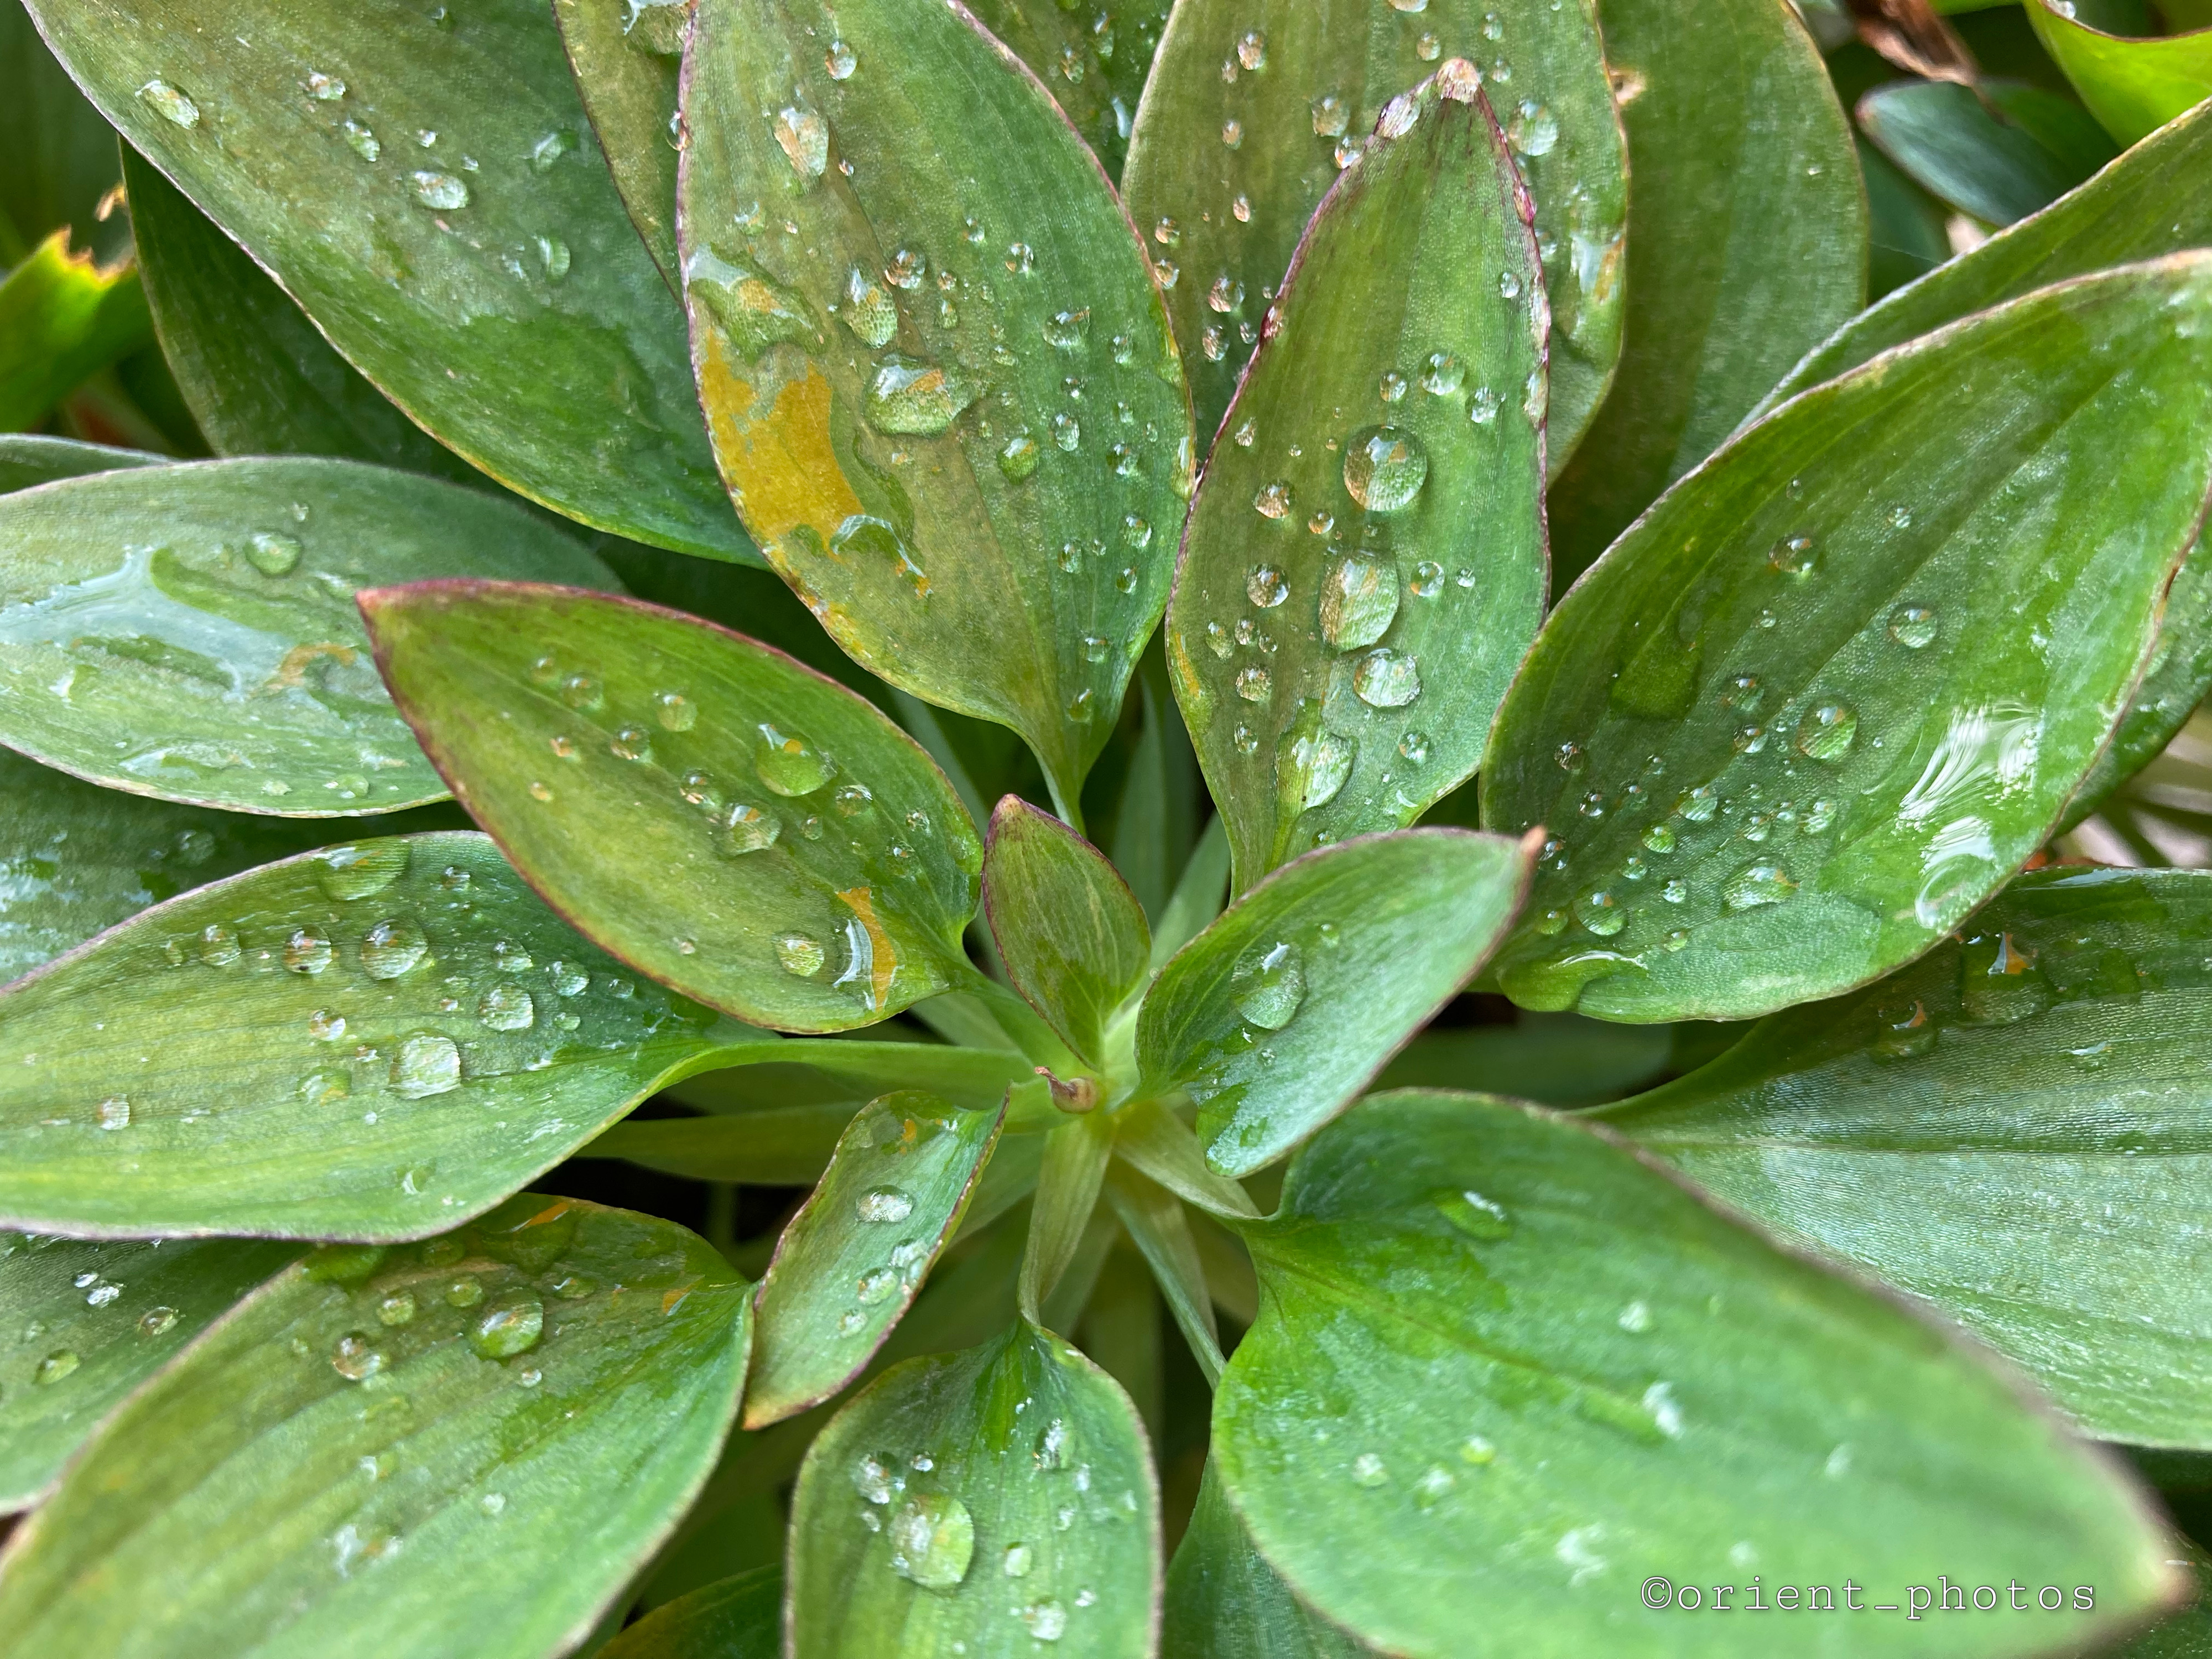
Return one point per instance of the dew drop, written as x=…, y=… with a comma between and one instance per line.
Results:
x=1267, y=586
x=1273, y=500
x=1020, y=458
x=355, y=1357
x=1331, y=116
x=1386, y=679
x=1473, y=1214
x=1384, y=468
x=803, y=137
x=932, y=1540
x=1358, y=599
x=113, y=1113
x=506, y=1008
x=157, y=1321
x=1067, y=330
x=840, y=61
x=1794, y=557
x=391, y=948
x=1913, y=626
x=797, y=955
x=1046, y=1619
x=1756, y=884
x=171, y=104
x=1268, y=983
x=1254, y=683
x=884, y=1204
x=426, y=1064
x=790, y=765
x=508, y=1330
x=1825, y=732
x=440, y=191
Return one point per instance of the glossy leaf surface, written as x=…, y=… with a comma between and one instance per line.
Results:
x=62, y=318
x=362, y=1043
x=487, y=280
x=2013, y=1128
x=2132, y=86
x=1997, y=162
x=1093, y=62
x=1225, y=1602
x=260, y=379
x=740, y=1618
x=780, y=850
x=948, y=406
x=1365, y=566
x=1251, y=115
x=86, y=1323
x=394, y=1463
x=1872, y=647
x=626, y=60
x=928, y=1518
x=1069, y=931
x=1747, y=244
x=30, y=458
x=1487, y=1335
x=849, y=1263
x=2173, y=686
x=189, y=631
x=1279, y=1014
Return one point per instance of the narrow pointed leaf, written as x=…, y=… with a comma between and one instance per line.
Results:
x=468, y=1450
x=1747, y=244
x=62, y=319
x=75, y=859
x=2132, y=86
x=626, y=61
x=1249, y=120
x=981, y=1504
x=2173, y=686
x=189, y=631
x=1160, y=1228
x=1553, y=1060
x=1488, y=1335
x=1828, y=695
x=775, y=1147
x=83, y=1324
x=487, y=280
x=918, y=400
x=62, y=153
x=1225, y=1602
x=364, y=1043
x=1062, y=1223
x=1068, y=929
x=258, y=377
x=1277, y=1016
x=2155, y=199
x=30, y=458
x=849, y=1263
x=1997, y=162
x=2012, y=1127
x=740, y=1618
x=1094, y=62
x=1365, y=561
x=782, y=851
x=1200, y=892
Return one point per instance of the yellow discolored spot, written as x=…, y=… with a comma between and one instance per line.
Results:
x=884, y=964
x=552, y=1211
x=293, y=670
x=780, y=466
x=672, y=1300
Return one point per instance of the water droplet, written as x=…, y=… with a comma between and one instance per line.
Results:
x=1659, y=839
x=868, y=311
x=1021, y=259
x=1254, y=683
x=1331, y=116
x=1368, y=1469
x=1267, y=586
x=909, y=396
x=751, y=829
x=1387, y=678
x=840, y=61
x=172, y=105
x=1020, y=458
x=157, y=1321
x=803, y=137
x=440, y=191
x=1358, y=599
x=1046, y=1619
x=391, y=948
x=1428, y=49
x=426, y=1064
x=346, y=873
x=396, y=1309
x=1534, y=130
x=1413, y=748
x=797, y=955
x=1756, y=884
x=1428, y=580
x=1602, y=912
x=508, y=1008
x=355, y=1357
x=364, y=143
x=1443, y=373
x=1240, y=208
x=1268, y=983
x=1474, y=1215
x=1794, y=557
x=1384, y=468
x=1232, y=132
x=1252, y=49
x=884, y=1204
x=1913, y=626
x=1016, y=1561
x=1825, y=732
x=790, y=765
x=1068, y=330
x=464, y=1291
x=1067, y=432
x=675, y=711
x=932, y=1538
x=507, y=1330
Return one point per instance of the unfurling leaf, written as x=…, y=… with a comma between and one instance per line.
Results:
x=947, y=404
x=1365, y=561
x=368, y=1042
x=1070, y=933
x=727, y=821
x=466, y=1446
x=1839, y=684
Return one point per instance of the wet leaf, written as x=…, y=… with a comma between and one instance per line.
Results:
x=1159, y=1227
x=1835, y=688
x=2011, y=1128
x=2132, y=86
x=948, y=406
x=189, y=631
x=1244, y=127
x=1223, y=1602
x=1485, y=1335
x=979, y=1503
x=63, y=318
x=1071, y=934
x=849, y=1263
x=30, y=457
x=465, y=248
x=1997, y=161
x=626, y=60
x=1553, y=1060
x=1093, y=62
x=1749, y=245
x=363, y=1042
x=775, y=1146
x=83, y=1324
x=740, y=1618
x=2173, y=686
x=1365, y=561
x=260, y=377
x=732, y=824
x=390, y=1453
x=1278, y=1014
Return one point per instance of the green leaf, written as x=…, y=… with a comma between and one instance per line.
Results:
x=2155, y=199
x=1365, y=563
x=786, y=853
x=63, y=318
x=1279, y=1014
x=776, y=1146
x=1200, y=892
x=27, y=459
x=1063, y=1228
x=1747, y=244
x=922, y=419
x=1094, y=62
x=61, y=154
x=189, y=631
x=1554, y=1060
x=1997, y=162
x=260, y=379
x=1549, y=1375
x=75, y=859
x=468, y=1450
x=83, y=1324
x=488, y=280
x=2175, y=684
x=1157, y=1224
x=2011, y=1128
x=979, y=1503
x=2132, y=86
x=370, y=1041
x=1243, y=129
x=626, y=61
x=1906, y=236
x=1068, y=927
x=848, y=1266
x=740, y=1618
x=1836, y=687
x=1158, y=819
x=1225, y=1602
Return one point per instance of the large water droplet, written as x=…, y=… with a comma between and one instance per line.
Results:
x=272, y=554
x=440, y=191
x=356, y=872
x=355, y=1357
x=805, y=138
x=506, y=1331
x=790, y=765
x=1267, y=586
x=426, y=1064
x=914, y=398
x=1358, y=599
x=1387, y=678
x=751, y=829
x=1756, y=884
x=307, y=951
x=171, y=104
x=1384, y=468
x=1318, y=763
x=932, y=1538
x=869, y=312
x=508, y=1008
x=1268, y=983
x=391, y=948
x=1826, y=731
x=884, y=1204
